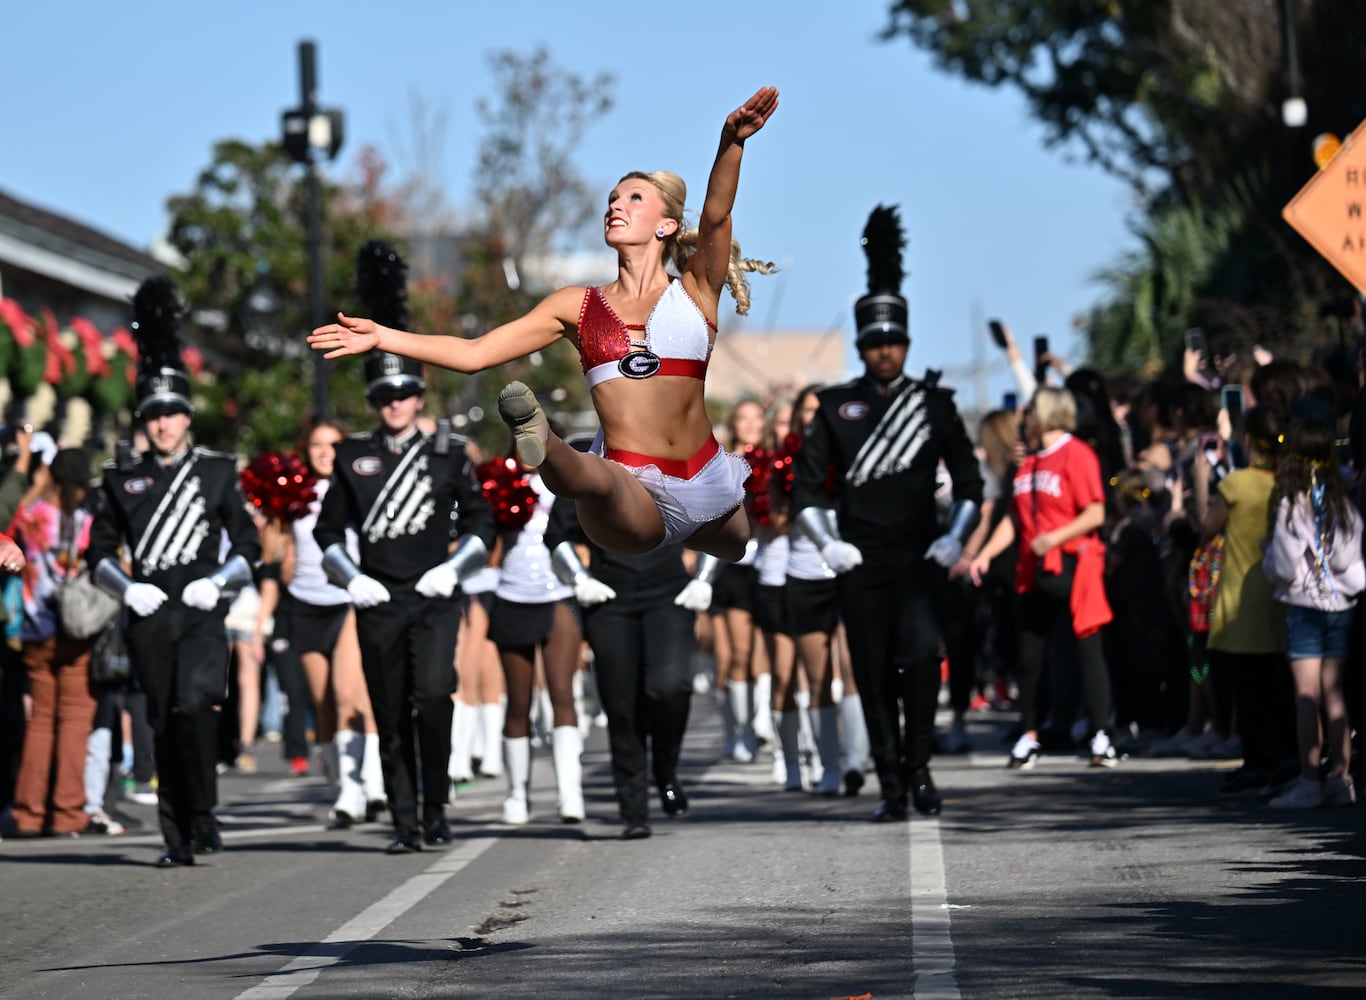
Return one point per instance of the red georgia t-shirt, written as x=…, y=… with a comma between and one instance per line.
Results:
x=1051, y=488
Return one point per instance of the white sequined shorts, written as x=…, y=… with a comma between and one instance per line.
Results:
x=688, y=492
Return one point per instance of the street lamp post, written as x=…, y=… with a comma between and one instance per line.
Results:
x=311, y=132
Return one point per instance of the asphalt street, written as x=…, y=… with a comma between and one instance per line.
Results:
x=1066, y=881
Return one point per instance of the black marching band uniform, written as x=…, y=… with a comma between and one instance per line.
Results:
x=166, y=517
x=642, y=642
x=885, y=442
x=408, y=498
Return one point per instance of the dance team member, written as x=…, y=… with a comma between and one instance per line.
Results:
x=658, y=475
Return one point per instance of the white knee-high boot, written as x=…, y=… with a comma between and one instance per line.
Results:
x=459, y=767
x=856, y=747
x=372, y=777
x=763, y=718
x=740, y=695
x=517, y=762
x=492, y=715
x=350, y=805
x=786, y=724
x=542, y=717
x=568, y=749
x=825, y=721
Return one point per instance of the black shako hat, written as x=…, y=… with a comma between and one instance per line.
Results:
x=163, y=384
x=882, y=316
x=382, y=288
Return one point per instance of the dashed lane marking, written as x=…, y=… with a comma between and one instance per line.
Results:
x=304, y=969
x=932, y=954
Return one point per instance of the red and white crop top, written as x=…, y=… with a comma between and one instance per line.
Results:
x=676, y=341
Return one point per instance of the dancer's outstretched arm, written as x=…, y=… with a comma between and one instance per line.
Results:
x=709, y=265
x=538, y=329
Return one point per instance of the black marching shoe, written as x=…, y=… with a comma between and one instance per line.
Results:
x=408, y=843
x=437, y=833
x=924, y=796
x=890, y=811
x=853, y=781
x=673, y=799
x=207, y=839
x=181, y=854
x=636, y=830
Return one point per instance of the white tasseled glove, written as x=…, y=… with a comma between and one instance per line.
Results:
x=696, y=596
x=841, y=556
x=945, y=550
x=143, y=598
x=202, y=594
x=439, y=581
x=366, y=591
x=589, y=590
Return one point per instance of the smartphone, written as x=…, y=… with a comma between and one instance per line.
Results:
x=1040, y=348
x=1010, y=402
x=1231, y=396
x=998, y=333
x=1195, y=339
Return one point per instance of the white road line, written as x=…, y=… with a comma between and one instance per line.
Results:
x=302, y=970
x=931, y=943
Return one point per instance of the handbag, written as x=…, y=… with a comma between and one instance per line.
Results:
x=1202, y=585
x=109, y=661
x=83, y=609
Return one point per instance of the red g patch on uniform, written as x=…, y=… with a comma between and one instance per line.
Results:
x=140, y=485
x=855, y=409
x=367, y=465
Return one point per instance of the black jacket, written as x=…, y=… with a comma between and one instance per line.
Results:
x=885, y=450
x=170, y=521
x=406, y=507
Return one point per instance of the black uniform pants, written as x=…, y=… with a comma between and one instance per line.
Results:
x=181, y=658
x=407, y=648
x=892, y=606
x=642, y=658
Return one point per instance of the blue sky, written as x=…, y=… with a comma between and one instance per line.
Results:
x=110, y=109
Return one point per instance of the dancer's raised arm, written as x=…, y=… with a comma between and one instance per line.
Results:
x=710, y=263
x=538, y=329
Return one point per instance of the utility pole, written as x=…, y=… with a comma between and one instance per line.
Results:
x=310, y=133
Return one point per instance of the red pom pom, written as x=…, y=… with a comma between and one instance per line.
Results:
x=279, y=486
x=508, y=492
x=756, y=486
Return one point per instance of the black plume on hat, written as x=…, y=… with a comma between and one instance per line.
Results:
x=382, y=284
x=883, y=313
x=162, y=382
x=382, y=289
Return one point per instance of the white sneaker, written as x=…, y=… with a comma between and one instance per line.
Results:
x=516, y=812
x=1024, y=755
x=1303, y=793
x=1102, y=751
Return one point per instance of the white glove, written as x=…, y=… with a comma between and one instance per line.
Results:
x=439, y=581
x=202, y=594
x=841, y=556
x=143, y=598
x=366, y=591
x=589, y=590
x=945, y=550
x=696, y=596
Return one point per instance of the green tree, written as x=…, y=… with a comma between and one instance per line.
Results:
x=1180, y=98
x=245, y=216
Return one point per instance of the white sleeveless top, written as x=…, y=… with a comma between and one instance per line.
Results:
x=526, y=575
x=310, y=583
